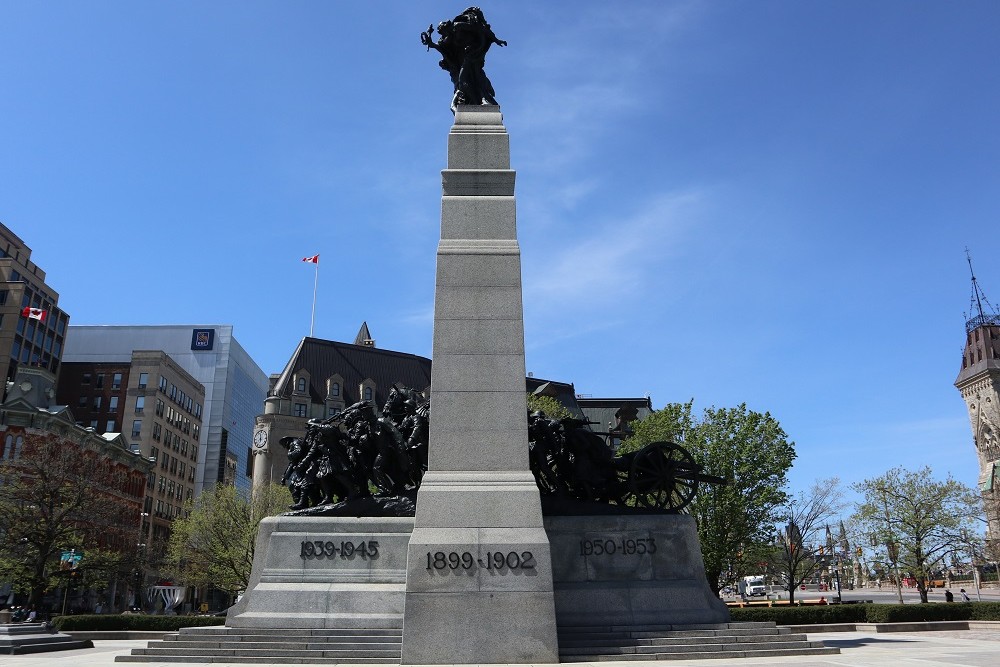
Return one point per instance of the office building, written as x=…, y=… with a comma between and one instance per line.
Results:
x=157, y=406
x=32, y=327
x=235, y=386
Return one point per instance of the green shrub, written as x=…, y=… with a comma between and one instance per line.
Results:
x=109, y=622
x=805, y=615
x=984, y=611
x=869, y=613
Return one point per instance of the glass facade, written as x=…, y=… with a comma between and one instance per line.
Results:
x=235, y=386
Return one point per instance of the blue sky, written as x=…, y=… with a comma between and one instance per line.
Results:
x=731, y=201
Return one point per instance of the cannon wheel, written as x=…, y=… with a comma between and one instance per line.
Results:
x=661, y=476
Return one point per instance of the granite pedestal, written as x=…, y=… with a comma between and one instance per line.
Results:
x=326, y=572
x=479, y=573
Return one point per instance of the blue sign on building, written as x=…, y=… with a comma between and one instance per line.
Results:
x=202, y=339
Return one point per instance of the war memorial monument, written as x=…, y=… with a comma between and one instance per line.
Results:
x=492, y=536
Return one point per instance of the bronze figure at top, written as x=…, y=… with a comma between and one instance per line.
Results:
x=463, y=43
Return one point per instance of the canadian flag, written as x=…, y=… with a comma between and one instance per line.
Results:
x=312, y=260
x=34, y=313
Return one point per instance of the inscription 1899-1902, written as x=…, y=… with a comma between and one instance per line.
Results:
x=494, y=561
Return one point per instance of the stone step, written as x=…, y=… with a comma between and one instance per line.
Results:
x=284, y=645
x=686, y=648
x=735, y=632
x=348, y=655
x=706, y=655
x=292, y=632
x=210, y=639
x=749, y=625
x=680, y=641
x=251, y=660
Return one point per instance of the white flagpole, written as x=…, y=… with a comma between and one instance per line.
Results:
x=312, y=321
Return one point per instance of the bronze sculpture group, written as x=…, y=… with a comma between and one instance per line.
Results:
x=463, y=43
x=360, y=453
x=357, y=452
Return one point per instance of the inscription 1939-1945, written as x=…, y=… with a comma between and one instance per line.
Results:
x=495, y=561
x=606, y=546
x=312, y=549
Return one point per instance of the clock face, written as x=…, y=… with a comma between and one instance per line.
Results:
x=260, y=439
x=25, y=386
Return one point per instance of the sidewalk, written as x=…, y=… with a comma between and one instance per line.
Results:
x=953, y=648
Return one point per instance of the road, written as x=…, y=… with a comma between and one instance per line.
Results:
x=888, y=595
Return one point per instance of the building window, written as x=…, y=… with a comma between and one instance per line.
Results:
x=93, y=424
x=82, y=402
x=110, y=426
x=300, y=409
x=116, y=381
x=140, y=403
x=300, y=385
x=99, y=381
x=97, y=402
x=136, y=428
x=85, y=379
x=368, y=393
x=335, y=389
x=163, y=384
x=156, y=431
x=143, y=379
x=8, y=447
x=113, y=404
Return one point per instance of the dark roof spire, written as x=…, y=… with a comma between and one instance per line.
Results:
x=364, y=337
x=978, y=316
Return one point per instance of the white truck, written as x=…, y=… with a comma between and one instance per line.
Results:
x=753, y=586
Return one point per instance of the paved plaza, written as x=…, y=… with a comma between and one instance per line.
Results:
x=974, y=648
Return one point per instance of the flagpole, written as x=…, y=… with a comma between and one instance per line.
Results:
x=312, y=321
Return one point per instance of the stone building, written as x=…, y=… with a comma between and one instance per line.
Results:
x=321, y=378
x=979, y=384
x=35, y=341
x=117, y=473
x=158, y=408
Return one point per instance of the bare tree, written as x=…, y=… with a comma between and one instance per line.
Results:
x=914, y=521
x=801, y=539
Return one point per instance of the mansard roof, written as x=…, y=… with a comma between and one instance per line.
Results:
x=323, y=359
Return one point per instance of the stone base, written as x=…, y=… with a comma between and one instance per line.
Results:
x=21, y=638
x=653, y=575
x=627, y=570
x=326, y=572
x=479, y=595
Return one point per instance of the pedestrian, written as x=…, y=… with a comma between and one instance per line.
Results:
x=965, y=596
x=948, y=597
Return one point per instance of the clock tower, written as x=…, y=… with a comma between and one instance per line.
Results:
x=979, y=384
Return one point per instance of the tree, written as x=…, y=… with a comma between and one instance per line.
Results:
x=552, y=408
x=58, y=495
x=915, y=521
x=213, y=544
x=797, y=556
x=747, y=448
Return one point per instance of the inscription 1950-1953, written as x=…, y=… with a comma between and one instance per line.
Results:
x=623, y=546
x=498, y=562
x=347, y=550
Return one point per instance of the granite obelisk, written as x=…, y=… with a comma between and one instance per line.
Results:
x=479, y=572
